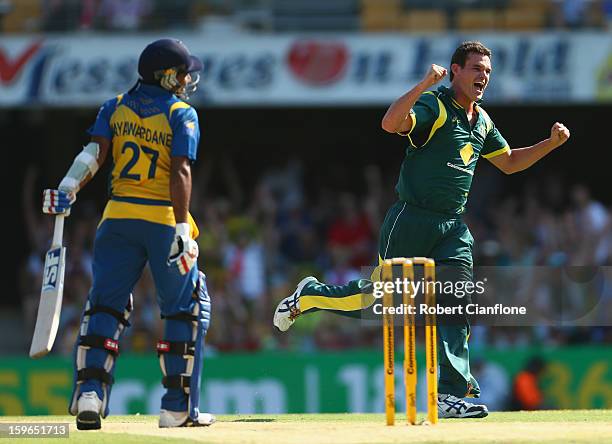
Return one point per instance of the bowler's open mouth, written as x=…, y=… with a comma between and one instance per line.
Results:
x=479, y=86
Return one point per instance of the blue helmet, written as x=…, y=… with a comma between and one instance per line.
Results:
x=161, y=61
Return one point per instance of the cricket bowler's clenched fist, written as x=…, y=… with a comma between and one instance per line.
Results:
x=396, y=119
x=435, y=74
x=559, y=134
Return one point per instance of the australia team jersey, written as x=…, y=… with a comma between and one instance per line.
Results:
x=147, y=127
x=437, y=171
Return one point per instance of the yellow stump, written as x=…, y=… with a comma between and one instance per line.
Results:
x=389, y=346
x=410, y=362
x=431, y=344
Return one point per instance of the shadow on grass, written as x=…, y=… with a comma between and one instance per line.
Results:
x=254, y=420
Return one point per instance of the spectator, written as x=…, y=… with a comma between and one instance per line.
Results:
x=89, y=10
x=572, y=14
x=593, y=221
x=60, y=15
x=351, y=231
x=526, y=393
x=124, y=15
x=244, y=261
x=6, y=6
x=494, y=384
x=607, y=13
x=174, y=14
x=255, y=240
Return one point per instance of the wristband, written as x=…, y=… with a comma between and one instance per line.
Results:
x=183, y=229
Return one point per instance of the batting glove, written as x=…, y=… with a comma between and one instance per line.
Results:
x=57, y=202
x=184, y=250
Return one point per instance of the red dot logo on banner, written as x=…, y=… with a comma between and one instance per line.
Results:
x=317, y=63
x=11, y=67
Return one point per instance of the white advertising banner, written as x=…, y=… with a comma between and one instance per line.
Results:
x=330, y=70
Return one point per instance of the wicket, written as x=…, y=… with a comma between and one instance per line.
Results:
x=410, y=364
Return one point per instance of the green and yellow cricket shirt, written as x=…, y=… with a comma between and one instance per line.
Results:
x=437, y=172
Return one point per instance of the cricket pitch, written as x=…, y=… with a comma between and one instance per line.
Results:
x=563, y=426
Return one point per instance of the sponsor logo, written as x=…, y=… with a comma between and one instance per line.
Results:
x=50, y=273
x=457, y=167
x=317, y=63
x=68, y=70
x=467, y=154
x=111, y=344
x=190, y=127
x=10, y=68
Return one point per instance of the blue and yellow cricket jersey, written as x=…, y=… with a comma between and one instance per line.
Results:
x=147, y=126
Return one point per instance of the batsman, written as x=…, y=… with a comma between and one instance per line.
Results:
x=152, y=137
x=447, y=132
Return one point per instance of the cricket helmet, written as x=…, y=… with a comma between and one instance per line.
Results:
x=161, y=61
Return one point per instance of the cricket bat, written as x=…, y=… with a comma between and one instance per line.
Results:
x=50, y=306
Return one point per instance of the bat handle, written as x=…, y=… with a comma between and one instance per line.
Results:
x=58, y=231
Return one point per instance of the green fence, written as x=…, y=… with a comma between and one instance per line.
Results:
x=276, y=382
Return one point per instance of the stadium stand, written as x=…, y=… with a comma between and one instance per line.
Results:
x=304, y=15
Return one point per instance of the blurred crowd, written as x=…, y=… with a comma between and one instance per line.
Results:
x=257, y=242
x=302, y=15
x=98, y=15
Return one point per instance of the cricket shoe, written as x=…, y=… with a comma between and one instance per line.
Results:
x=289, y=308
x=88, y=416
x=450, y=406
x=168, y=418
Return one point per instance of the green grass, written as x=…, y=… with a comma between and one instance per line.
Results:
x=560, y=426
x=535, y=416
